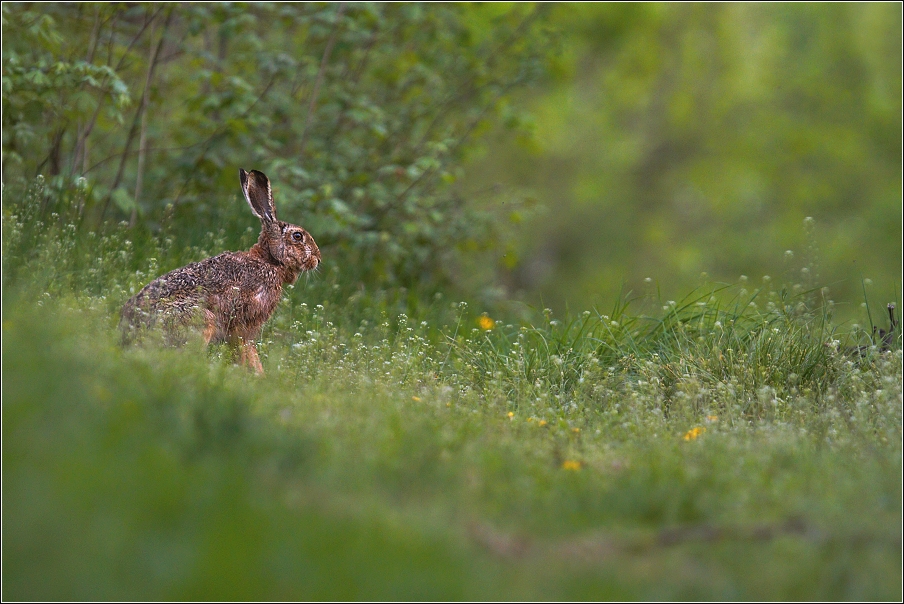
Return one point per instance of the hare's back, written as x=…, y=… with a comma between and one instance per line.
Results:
x=232, y=272
x=226, y=272
x=232, y=283
x=178, y=295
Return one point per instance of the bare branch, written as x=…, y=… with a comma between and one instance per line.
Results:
x=81, y=141
x=142, y=139
x=326, y=57
x=138, y=113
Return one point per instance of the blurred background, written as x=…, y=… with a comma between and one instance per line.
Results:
x=562, y=155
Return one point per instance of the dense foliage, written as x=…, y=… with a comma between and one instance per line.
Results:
x=359, y=113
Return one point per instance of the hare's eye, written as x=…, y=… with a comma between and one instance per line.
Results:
x=297, y=236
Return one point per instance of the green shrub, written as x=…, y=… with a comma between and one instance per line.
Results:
x=360, y=114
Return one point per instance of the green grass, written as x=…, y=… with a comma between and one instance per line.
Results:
x=379, y=459
x=727, y=446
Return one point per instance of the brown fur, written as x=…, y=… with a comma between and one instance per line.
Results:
x=229, y=296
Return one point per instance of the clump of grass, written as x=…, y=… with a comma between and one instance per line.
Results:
x=716, y=353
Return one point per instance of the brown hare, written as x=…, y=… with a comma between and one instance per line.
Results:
x=229, y=296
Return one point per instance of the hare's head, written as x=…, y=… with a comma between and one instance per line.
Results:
x=302, y=253
x=289, y=245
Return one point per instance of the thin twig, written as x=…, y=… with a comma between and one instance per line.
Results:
x=134, y=128
x=89, y=59
x=326, y=57
x=206, y=143
x=468, y=89
x=142, y=139
x=83, y=137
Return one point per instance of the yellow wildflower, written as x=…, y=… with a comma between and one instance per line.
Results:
x=576, y=430
x=693, y=433
x=416, y=399
x=712, y=418
x=569, y=464
x=486, y=323
x=542, y=422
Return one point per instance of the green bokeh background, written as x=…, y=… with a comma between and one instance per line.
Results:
x=674, y=140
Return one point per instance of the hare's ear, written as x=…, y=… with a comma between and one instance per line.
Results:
x=256, y=187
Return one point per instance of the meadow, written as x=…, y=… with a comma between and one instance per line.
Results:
x=732, y=445
x=597, y=316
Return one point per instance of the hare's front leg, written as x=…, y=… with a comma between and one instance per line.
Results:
x=244, y=352
x=210, y=326
x=249, y=356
